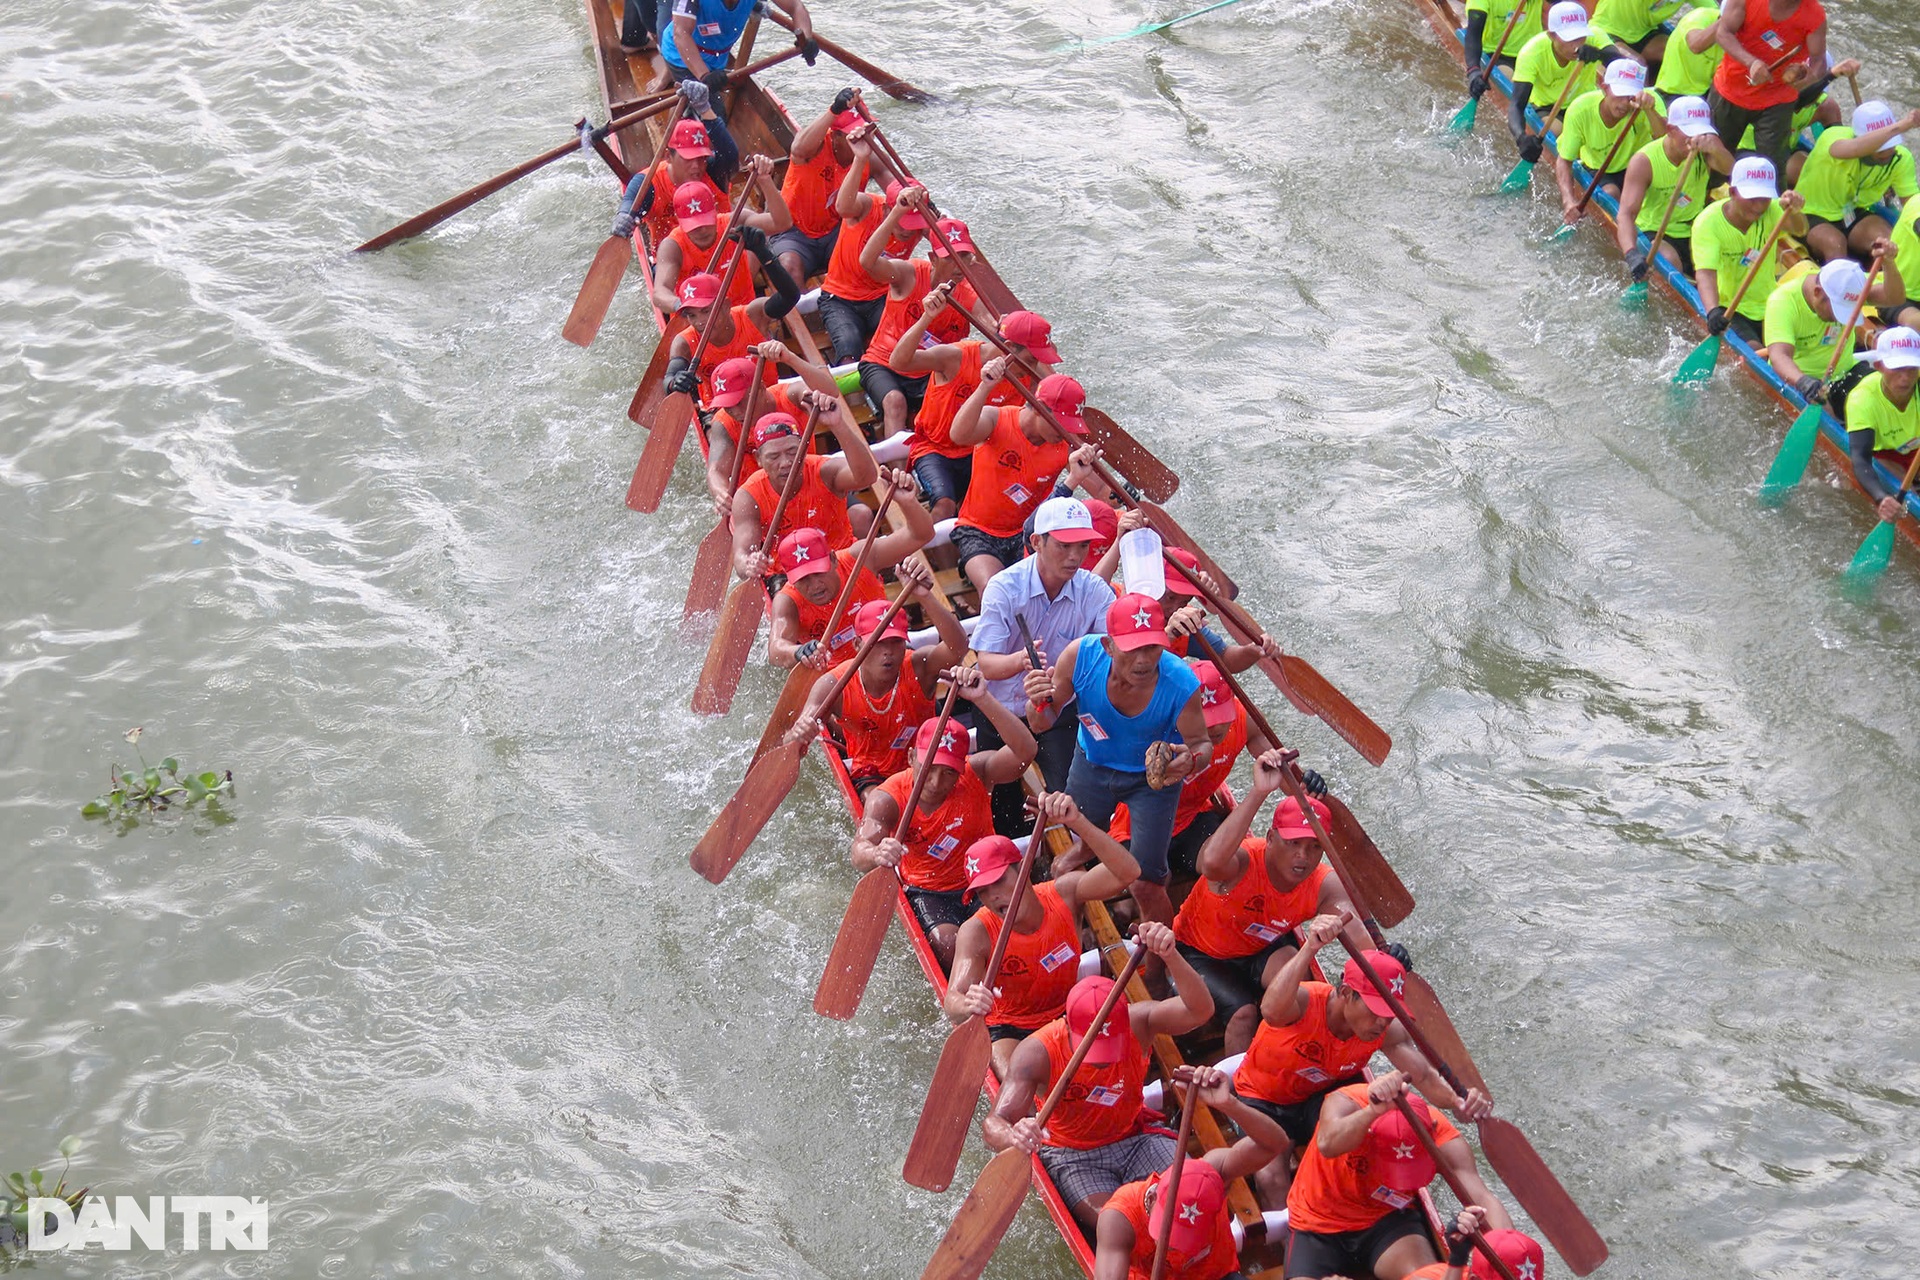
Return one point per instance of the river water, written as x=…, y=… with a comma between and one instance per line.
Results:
x=445, y=991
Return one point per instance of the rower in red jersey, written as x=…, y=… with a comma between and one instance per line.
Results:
x=698, y=150
x=954, y=817
x=816, y=165
x=1521, y=1252
x=1017, y=455
x=736, y=329
x=896, y=395
x=698, y=228
x=1043, y=958
x=815, y=576
x=727, y=391
x=819, y=502
x=851, y=301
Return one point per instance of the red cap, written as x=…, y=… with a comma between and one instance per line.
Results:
x=1106, y=526
x=1178, y=582
x=867, y=617
x=1202, y=1193
x=911, y=219
x=1289, y=823
x=1031, y=331
x=951, y=231
x=803, y=553
x=952, y=750
x=1401, y=1161
x=1391, y=972
x=1521, y=1253
x=1083, y=1002
x=689, y=140
x=730, y=381
x=772, y=426
x=1135, y=621
x=847, y=121
x=987, y=860
x=1216, y=700
x=1066, y=397
x=694, y=205
x=701, y=289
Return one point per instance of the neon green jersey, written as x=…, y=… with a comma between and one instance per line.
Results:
x=1588, y=138
x=1633, y=20
x=1498, y=11
x=1836, y=188
x=1722, y=248
x=1906, y=245
x=1868, y=409
x=1792, y=319
x=1538, y=67
x=1683, y=71
x=1660, y=185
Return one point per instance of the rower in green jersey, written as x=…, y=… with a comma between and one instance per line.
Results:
x=1692, y=54
x=1728, y=240
x=1805, y=317
x=1637, y=24
x=1883, y=413
x=1569, y=47
x=1653, y=173
x=1849, y=171
x=1487, y=28
x=1906, y=249
x=1595, y=122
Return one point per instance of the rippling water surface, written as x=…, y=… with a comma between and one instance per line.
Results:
x=446, y=990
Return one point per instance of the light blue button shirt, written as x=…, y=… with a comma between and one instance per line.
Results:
x=1056, y=622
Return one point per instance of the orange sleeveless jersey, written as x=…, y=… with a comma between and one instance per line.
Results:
x=693, y=259
x=937, y=842
x=1220, y=1258
x=660, y=221
x=1290, y=1064
x=1102, y=1105
x=746, y=336
x=1040, y=967
x=933, y=429
x=1769, y=41
x=1432, y=1271
x=900, y=314
x=1011, y=477
x=845, y=642
x=809, y=189
x=814, y=505
x=877, y=731
x=1341, y=1193
x=1250, y=915
x=1197, y=792
x=845, y=277
x=772, y=400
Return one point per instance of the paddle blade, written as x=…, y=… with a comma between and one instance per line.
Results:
x=728, y=650
x=766, y=786
x=655, y=468
x=712, y=564
x=856, y=946
x=1437, y=1028
x=1130, y=458
x=596, y=291
x=1796, y=451
x=793, y=697
x=1561, y=234
x=1373, y=875
x=984, y=1217
x=1463, y=119
x=947, y=1115
x=1350, y=722
x=1541, y=1195
x=1870, y=561
x=1520, y=179
x=1635, y=298
x=1699, y=364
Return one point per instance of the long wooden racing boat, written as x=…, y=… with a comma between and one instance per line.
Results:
x=1448, y=19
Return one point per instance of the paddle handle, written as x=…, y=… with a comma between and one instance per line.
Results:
x=859, y=563
x=1753, y=272
x=1673, y=203
x=792, y=486
x=1220, y=664
x=1231, y=613
x=901, y=827
x=1853, y=321
x=1020, y=883
x=1059, y=1090
x=893, y=86
x=1188, y=1106
x=1392, y=997
x=1906, y=485
x=722, y=303
x=746, y=425
x=1853, y=83
x=1553, y=113
x=1453, y=1181
x=1606, y=165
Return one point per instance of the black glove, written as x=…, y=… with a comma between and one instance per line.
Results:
x=1459, y=1249
x=842, y=101
x=715, y=80
x=806, y=650
x=1717, y=321
x=1591, y=53
x=682, y=378
x=1530, y=148
x=1637, y=263
x=752, y=239
x=1811, y=388
x=1476, y=83
x=1399, y=952
x=809, y=50
x=1313, y=782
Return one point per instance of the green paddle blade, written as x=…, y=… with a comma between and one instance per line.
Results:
x=1700, y=362
x=1635, y=298
x=1795, y=452
x=1463, y=119
x=1520, y=179
x=1562, y=234
x=1870, y=561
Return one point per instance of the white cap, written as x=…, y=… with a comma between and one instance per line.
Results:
x=1691, y=116
x=1625, y=78
x=1897, y=349
x=1063, y=516
x=1843, y=281
x=1754, y=178
x=1874, y=114
x=1568, y=20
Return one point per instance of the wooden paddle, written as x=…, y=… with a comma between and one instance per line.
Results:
x=1593, y=184
x=856, y=946
x=1522, y=174
x=1796, y=450
x=713, y=562
x=947, y=1113
x=610, y=262
x=1171, y=1196
x=1876, y=549
x=1421, y=1132
x=767, y=783
x=1636, y=294
x=1700, y=362
x=746, y=604
x=670, y=423
x=1463, y=119
x=893, y=86
x=1170, y=531
x=981, y=1223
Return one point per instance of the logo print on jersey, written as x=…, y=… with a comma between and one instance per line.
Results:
x=1010, y=460
x=1312, y=1050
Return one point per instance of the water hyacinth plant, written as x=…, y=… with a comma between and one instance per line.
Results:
x=155, y=788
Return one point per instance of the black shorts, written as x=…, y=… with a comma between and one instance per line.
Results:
x=1844, y=226
x=865, y=782
x=1682, y=245
x=1640, y=45
x=936, y=908
x=998, y=1031
x=1299, y=1118
x=879, y=382
x=1747, y=327
x=850, y=324
x=1235, y=983
x=943, y=477
x=1183, y=851
x=813, y=251
x=1350, y=1253
x=970, y=542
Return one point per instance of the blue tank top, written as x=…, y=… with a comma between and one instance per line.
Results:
x=1118, y=741
x=716, y=25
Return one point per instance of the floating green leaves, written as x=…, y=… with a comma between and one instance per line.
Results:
x=154, y=789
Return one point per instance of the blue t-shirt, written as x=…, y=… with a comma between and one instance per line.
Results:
x=1117, y=741
x=716, y=25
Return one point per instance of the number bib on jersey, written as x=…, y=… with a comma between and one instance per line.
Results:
x=1266, y=933
x=1103, y=1096
x=1058, y=956
x=1092, y=727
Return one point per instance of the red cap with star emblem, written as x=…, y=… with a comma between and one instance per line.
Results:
x=1135, y=621
x=701, y=289
x=1403, y=1164
x=772, y=426
x=867, y=618
x=952, y=232
x=730, y=381
x=1031, y=331
x=1106, y=526
x=1289, y=823
x=847, y=121
x=803, y=553
x=911, y=219
x=1083, y=1002
x=1216, y=700
x=1391, y=972
x=987, y=858
x=1066, y=397
x=952, y=751
x=689, y=140
x=1178, y=582
x=1202, y=1193
x=693, y=205
x=1520, y=1251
